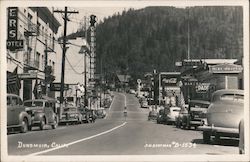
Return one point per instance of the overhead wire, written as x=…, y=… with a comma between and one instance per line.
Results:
x=73, y=67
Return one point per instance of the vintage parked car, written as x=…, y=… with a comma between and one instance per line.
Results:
x=152, y=115
x=71, y=115
x=181, y=120
x=132, y=91
x=223, y=114
x=241, y=136
x=100, y=113
x=88, y=115
x=17, y=117
x=172, y=114
x=196, y=113
x=144, y=103
x=42, y=112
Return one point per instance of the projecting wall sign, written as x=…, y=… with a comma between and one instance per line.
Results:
x=226, y=68
x=12, y=42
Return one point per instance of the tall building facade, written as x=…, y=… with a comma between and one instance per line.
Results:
x=31, y=68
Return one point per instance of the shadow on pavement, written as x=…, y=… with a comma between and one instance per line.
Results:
x=221, y=142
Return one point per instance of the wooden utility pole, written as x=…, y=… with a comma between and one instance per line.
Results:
x=65, y=12
x=85, y=64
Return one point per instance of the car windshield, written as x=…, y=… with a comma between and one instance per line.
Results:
x=33, y=103
x=232, y=97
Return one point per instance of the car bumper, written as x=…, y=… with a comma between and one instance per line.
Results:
x=197, y=123
x=35, y=122
x=68, y=120
x=219, y=129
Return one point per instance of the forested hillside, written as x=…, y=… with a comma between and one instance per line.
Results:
x=138, y=41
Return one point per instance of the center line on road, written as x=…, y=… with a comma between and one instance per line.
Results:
x=81, y=140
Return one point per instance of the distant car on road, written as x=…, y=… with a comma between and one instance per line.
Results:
x=17, y=117
x=224, y=114
x=144, y=103
x=152, y=115
x=71, y=115
x=172, y=114
x=196, y=113
x=42, y=112
x=100, y=113
x=132, y=91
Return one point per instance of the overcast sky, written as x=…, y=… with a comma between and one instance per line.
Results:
x=77, y=19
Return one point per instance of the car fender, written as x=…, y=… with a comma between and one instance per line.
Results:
x=39, y=116
x=23, y=115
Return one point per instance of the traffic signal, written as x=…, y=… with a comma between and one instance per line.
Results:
x=92, y=20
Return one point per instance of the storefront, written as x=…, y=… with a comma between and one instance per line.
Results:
x=32, y=84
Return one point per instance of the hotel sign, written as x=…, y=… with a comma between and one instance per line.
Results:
x=12, y=42
x=225, y=68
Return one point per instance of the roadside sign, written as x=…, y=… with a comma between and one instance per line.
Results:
x=138, y=81
x=57, y=87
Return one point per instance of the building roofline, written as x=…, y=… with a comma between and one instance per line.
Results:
x=48, y=14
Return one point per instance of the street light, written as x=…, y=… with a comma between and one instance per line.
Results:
x=84, y=50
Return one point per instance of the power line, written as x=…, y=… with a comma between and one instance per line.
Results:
x=72, y=67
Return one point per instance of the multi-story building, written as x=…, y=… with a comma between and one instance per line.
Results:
x=34, y=63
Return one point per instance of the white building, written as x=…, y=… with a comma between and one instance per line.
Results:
x=74, y=69
x=37, y=27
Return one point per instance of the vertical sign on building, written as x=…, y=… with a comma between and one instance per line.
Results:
x=12, y=41
x=92, y=47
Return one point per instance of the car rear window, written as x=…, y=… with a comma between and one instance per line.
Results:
x=14, y=101
x=232, y=97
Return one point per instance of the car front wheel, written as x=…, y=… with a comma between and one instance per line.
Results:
x=42, y=124
x=24, y=126
x=206, y=137
x=55, y=124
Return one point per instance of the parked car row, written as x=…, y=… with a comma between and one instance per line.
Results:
x=219, y=118
x=194, y=115
x=23, y=116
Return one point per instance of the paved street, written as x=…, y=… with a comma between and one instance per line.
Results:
x=118, y=136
